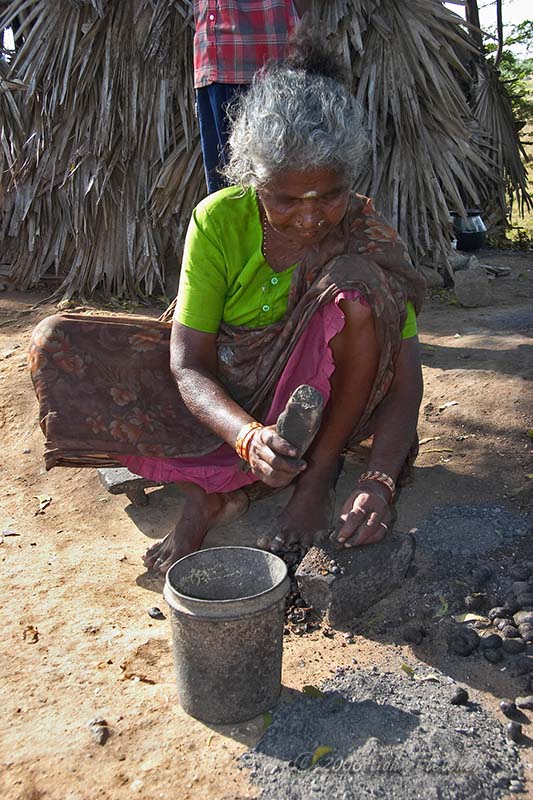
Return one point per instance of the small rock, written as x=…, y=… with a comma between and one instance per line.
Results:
x=499, y=611
x=99, y=730
x=475, y=602
x=513, y=731
x=335, y=570
x=413, y=634
x=525, y=702
x=508, y=708
x=503, y=623
x=494, y=656
x=491, y=641
x=156, y=613
x=523, y=618
x=472, y=287
x=513, y=646
x=508, y=631
x=516, y=787
x=462, y=642
x=526, y=632
x=459, y=696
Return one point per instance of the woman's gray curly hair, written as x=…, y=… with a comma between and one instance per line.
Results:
x=294, y=117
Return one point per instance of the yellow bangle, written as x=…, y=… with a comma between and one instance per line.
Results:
x=244, y=437
x=380, y=477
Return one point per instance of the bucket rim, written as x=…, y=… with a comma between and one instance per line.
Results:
x=200, y=601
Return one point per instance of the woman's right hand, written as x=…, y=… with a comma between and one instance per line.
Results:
x=272, y=459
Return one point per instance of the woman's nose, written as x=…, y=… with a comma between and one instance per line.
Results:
x=309, y=219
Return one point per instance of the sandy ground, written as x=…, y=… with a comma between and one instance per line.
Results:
x=78, y=641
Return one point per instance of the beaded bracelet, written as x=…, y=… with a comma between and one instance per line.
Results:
x=382, y=478
x=244, y=439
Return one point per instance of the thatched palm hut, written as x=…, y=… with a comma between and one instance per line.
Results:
x=99, y=152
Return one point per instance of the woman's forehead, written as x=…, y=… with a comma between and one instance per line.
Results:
x=305, y=184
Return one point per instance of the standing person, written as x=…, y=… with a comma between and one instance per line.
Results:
x=288, y=277
x=232, y=40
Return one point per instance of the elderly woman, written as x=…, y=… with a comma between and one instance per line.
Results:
x=288, y=277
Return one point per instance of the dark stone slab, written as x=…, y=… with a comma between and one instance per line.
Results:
x=365, y=576
x=119, y=480
x=300, y=421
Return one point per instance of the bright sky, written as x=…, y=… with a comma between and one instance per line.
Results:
x=513, y=12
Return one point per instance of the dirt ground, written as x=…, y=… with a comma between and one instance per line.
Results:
x=78, y=641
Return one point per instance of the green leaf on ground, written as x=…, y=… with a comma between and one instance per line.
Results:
x=319, y=752
x=444, y=607
x=408, y=670
x=267, y=719
x=530, y=433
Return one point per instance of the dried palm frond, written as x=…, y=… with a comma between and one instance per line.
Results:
x=93, y=193
x=407, y=63
x=99, y=151
x=493, y=111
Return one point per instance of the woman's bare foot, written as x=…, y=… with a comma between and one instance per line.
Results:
x=201, y=512
x=307, y=517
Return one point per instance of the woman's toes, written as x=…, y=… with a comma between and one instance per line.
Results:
x=164, y=565
x=263, y=543
x=277, y=543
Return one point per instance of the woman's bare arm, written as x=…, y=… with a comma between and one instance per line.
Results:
x=365, y=513
x=193, y=363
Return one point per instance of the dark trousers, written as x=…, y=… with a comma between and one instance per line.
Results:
x=211, y=104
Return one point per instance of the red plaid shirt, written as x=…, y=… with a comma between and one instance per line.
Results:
x=234, y=38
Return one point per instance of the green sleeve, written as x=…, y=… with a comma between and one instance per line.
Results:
x=410, y=328
x=203, y=278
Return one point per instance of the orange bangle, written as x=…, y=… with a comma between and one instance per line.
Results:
x=244, y=438
x=380, y=477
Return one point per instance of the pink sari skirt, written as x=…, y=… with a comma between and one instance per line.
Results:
x=311, y=362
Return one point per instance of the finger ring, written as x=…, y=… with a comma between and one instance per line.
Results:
x=384, y=526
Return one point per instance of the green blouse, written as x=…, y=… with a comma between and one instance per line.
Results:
x=224, y=274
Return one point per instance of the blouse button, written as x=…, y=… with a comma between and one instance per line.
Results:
x=274, y=281
x=266, y=308
x=211, y=17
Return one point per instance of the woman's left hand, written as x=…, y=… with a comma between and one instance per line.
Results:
x=365, y=515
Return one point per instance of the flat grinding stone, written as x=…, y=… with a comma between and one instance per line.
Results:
x=391, y=737
x=362, y=576
x=469, y=530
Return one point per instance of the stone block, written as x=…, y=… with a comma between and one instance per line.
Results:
x=119, y=480
x=343, y=583
x=472, y=287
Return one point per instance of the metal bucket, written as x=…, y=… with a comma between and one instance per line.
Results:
x=227, y=616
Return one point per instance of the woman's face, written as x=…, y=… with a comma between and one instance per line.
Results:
x=305, y=206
